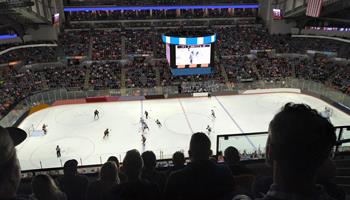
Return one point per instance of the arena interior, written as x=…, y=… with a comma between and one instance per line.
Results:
x=174, y=99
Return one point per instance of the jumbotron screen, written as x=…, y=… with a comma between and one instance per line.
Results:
x=193, y=55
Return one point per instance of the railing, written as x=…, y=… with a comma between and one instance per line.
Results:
x=252, y=145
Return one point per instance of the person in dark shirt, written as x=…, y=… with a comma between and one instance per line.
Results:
x=97, y=190
x=178, y=162
x=149, y=171
x=299, y=142
x=200, y=179
x=134, y=188
x=232, y=158
x=122, y=176
x=10, y=169
x=71, y=183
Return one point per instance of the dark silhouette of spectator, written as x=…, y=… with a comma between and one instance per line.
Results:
x=122, y=176
x=325, y=177
x=232, y=158
x=134, y=188
x=71, y=183
x=149, y=171
x=10, y=170
x=44, y=188
x=178, y=162
x=299, y=142
x=200, y=179
x=97, y=190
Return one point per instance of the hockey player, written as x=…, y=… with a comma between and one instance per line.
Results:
x=144, y=126
x=208, y=129
x=106, y=133
x=143, y=139
x=58, y=151
x=158, y=123
x=44, y=128
x=213, y=113
x=96, y=114
x=146, y=114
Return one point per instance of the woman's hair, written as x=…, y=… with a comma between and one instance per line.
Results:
x=109, y=172
x=44, y=187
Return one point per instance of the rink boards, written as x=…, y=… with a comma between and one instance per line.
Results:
x=80, y=136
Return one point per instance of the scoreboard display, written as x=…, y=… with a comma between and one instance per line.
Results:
x=191, y=55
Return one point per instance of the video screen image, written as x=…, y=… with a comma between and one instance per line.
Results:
x=193, y=54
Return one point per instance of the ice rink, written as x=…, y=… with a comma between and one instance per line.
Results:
x=74, y=129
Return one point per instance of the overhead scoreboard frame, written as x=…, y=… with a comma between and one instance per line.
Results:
x=201, y=52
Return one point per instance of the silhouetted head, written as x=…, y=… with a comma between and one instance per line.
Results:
x=199, y=147
x=132, y=164
x=44, y=187
x=299, y=140
x=179, y=159
x=114, y=159
x=70, y=167
x=10, y=170
x=231, y=155
x=109, y=172
x=149, y=160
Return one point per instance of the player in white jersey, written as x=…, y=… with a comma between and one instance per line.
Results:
x=326, y=113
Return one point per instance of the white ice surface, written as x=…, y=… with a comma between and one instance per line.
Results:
x=74, y=129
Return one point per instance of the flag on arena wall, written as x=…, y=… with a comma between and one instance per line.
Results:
x=314, y=8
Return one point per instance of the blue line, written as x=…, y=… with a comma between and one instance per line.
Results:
x=186, y=117
x=234, y=121
x=115, y=8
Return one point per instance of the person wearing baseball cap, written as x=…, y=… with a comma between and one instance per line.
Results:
x=10, y=170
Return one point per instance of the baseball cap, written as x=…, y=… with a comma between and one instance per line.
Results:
x=17, y=135
x=9, y=138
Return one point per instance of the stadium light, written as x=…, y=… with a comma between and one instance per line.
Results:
x=87, y=9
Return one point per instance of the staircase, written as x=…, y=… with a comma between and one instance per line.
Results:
x=123, y=82
x=224, y=74
x=87, y=79
x=343, y=174
x=90, y=48
x=256, y=71
x=159, y=88
x=124, y=56
x=44, y=82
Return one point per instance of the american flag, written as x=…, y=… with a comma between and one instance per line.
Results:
x=314, y=8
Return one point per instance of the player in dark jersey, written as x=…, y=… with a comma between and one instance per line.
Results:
x=146, y=114
x=106, y=133
x=158, y=123
x=209, y=129
x=58, y=151
x=143, y=139
x=213, y=114
x=96, y=114
x=44, y=128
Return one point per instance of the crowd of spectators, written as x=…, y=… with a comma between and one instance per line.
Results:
x=158, y=14
x=106, y=45
x=234, y=43
x=140, y=75
x=30, y=55
x=105, y=75
x=75, y=43
x=295, y=171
